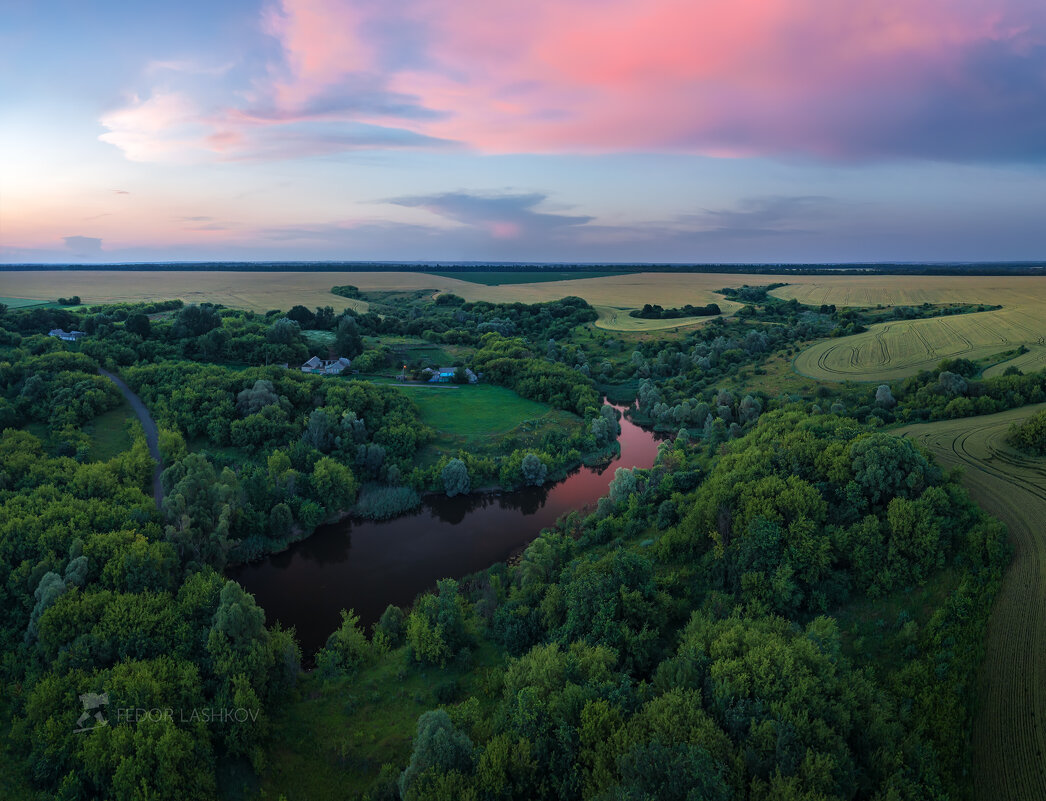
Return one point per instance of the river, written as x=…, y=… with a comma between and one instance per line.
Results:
x=366, y=565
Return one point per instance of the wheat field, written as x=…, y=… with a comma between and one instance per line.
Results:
x=897, y=349
x=912, y=290
x=615, y=295
x=893, y=350
x=1009, y=733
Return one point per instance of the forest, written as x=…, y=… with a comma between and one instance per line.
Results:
x=790, y=604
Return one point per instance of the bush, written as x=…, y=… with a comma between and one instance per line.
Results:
x=1030, y=436
x=382, y=503
x=436, y=627
x=346, y=649
x=392, y=624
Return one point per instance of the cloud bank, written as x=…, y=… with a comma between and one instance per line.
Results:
x=960, y=80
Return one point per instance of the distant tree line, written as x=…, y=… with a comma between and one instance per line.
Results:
x=783, y=268
x=655, y=312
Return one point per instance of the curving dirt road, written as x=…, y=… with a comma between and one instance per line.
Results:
x=152, y=434
x=1009, y=727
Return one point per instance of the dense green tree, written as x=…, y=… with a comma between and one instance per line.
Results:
x=535, y=472
x=193, y=320
x=347, y=340
x=139, y=324
x=455, y=477
x=438, y=748
x=199, y=506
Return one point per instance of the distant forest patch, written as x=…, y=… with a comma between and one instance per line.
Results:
x=346, y=291
x=498, y=277
x=655, y=312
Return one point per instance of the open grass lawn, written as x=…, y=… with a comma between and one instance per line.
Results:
x=109, y=434
x=473, y=412
x=418, y=349
x=778, y=376
x=495, y=278
x=332, y=742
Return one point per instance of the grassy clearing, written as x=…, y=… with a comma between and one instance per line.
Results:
x=535, y=277
x=472, y=413
x=410, y=349
x=1009, y=732
x=898, y=349
x=775, y=376
x=109, y=434
x=332, y=742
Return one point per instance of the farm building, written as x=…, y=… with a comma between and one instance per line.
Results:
x=326, y=366
x=68, y=336
x=444, y=375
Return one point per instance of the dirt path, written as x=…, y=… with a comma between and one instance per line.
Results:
x=152, y=434
x=1009, y=727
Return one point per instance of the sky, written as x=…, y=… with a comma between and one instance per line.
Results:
x=545, y=130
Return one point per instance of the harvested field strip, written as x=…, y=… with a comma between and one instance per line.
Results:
x=619, y=320
x=1009, y=733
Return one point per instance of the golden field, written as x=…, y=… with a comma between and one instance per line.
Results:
x=280, y=290
x=893, y=350
x=897, y=349
x=889, y=350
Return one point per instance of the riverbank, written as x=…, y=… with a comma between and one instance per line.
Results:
x=367, y=565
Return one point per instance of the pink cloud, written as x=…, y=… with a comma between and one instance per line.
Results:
x=716, y=77
x=938, y=78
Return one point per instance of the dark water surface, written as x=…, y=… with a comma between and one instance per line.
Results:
x=366, y=565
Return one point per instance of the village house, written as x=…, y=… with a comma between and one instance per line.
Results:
x=67, y=336
x=444, y=375
x=326, y=366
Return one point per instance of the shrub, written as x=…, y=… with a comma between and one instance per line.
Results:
x=347, y=647
x=381, y=503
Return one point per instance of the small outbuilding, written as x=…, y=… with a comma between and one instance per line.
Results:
x=444, y=375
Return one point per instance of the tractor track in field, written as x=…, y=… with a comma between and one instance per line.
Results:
x=1009, y=725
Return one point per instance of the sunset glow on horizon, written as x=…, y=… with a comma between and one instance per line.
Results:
x=575, y=130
